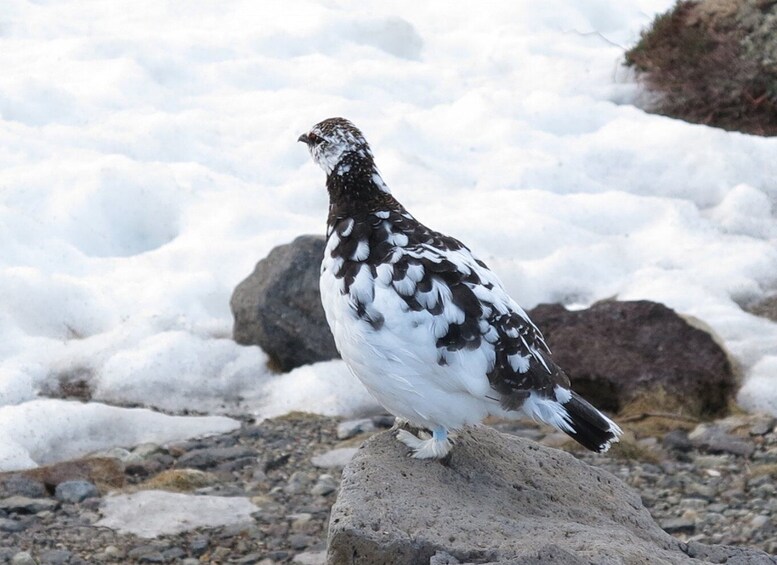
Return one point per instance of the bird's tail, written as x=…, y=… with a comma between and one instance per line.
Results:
x=588, y=426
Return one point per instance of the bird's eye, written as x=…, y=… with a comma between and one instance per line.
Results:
x=315, y=139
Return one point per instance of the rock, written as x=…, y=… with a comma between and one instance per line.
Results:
x=11, y=526
x=677, y=440
x=23, y=486
x=326, y=485
x=309, y=558
x=334, y=458
x=23, y=558
x=25, y=505
x=55, y=557
x=678, y=525
x=619, y=353
x=762, y=426
x=105, y=472
x=278, y=307
x=351, y=428
x=75, y=491
x=712, y=439
x=498, y=499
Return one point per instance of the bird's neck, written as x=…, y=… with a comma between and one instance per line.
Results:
x=356, y=189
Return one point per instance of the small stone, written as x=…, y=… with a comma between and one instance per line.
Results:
x=714, y=440
x=310, y=558
x=25, y=505
x=113, y=552
x=75, y=491
x=443, y=558
x=155, y=557
x=24, y=486
x=250, y=559
x=351, y=428
x=144, y=450
x=678, y=525
x=140, y=550
x=297, y=483
x=190, y=561
x=677, y=440
x=173, y=553
x=199, y=545
x=760, y=522
x=334, y=458
x=12, y=526
x=762, y=427
x=23, y=558
x=55, y=557
x=299, y=521
x=299, y=541
x=326, y=485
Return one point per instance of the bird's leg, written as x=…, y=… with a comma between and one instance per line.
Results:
x=400, y=424
x=425, y=446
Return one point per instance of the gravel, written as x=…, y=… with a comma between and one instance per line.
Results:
x=712, y=483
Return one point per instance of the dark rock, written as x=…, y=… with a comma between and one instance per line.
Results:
x=23, y=486
x=677, y=440
x=75, y=491
x=714, y=440
x=618, y=353
x=727, y=554
x=678, y=526
x=11, y=526
x=498, y=499
x=210, y=456
x=278, y=307
x=199, y=545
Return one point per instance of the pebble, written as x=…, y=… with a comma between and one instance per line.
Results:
x=8, y=525
x=310, y=558
x=678, y=525
x=334, y=458
x=75, y=491
x=326, y=484
x=23, y=486
x=352, y=428
x=23, y=558
x=55, y=557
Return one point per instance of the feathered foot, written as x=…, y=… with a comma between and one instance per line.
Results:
x=425, y=446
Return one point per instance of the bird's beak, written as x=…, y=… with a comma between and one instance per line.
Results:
x=304, y=139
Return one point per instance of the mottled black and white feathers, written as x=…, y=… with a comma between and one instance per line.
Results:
x=426, y=326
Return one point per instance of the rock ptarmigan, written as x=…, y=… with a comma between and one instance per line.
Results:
x=426, y=326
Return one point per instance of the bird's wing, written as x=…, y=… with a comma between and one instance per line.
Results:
x=471, y=310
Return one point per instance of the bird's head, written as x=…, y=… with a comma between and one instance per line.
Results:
x=334, y=142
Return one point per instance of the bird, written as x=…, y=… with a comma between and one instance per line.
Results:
x=425, y=325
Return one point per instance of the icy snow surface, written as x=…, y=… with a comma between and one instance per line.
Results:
x=148, y=159
x=151, y=513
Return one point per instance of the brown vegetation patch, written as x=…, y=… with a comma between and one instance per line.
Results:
x=713, y=62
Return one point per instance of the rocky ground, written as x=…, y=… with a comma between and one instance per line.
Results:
x=713, y=483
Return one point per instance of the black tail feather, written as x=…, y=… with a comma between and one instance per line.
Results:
x=590, y=428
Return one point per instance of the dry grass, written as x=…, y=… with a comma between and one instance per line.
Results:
x=698, y=64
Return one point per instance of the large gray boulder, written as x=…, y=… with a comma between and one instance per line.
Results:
x=499, y=499
x=278, y=307
x=619, y=353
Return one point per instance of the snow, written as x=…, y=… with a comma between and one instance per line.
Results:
x=148, y=159
x=151, y=513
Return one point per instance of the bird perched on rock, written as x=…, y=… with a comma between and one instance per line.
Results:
x=423, y=323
